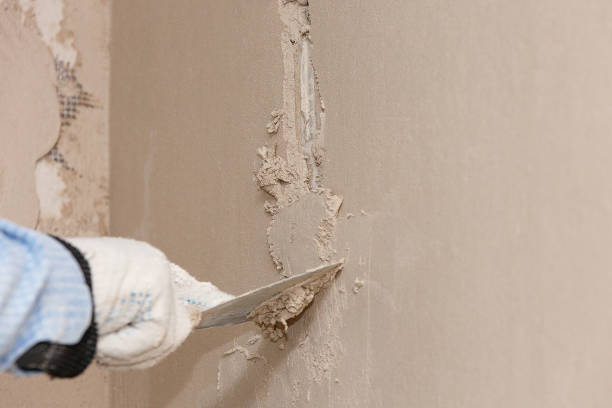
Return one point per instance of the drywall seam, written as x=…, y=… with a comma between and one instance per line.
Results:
x=290, y=177
x=301, y=233
x=308, y=114
x=303, y=211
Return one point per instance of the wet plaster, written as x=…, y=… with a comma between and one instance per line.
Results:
x=273, y=315
x=301, y=234
x=304, y=212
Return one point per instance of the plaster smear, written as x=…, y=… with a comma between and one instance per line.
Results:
x=301, y=235
x=274, y=124
x=304, y=213
x=272, y=315
x=302, y=231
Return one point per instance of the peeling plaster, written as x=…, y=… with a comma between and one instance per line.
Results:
x=274, y=124
x=49, y=15
x=272, y=315
x=30, y=124
x=50, y=188
x=72, y=179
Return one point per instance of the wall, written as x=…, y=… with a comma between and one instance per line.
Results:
x=190, y=97
x=469, y=142
x=54, y=138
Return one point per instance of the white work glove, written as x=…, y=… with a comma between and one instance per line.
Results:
x=145, y=306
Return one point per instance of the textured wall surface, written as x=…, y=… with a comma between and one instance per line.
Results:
x=54, y=138
x=470, y=144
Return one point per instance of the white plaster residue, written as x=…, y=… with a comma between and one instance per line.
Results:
x=249, y=355
x=273, y=125
x=301, y=233
x=49, y=15
x=357, y=285
x=273, y=314
x=308, y=114
x=253, y=339
x=219, y=377
x=50, y=189
x=304, y=213
x=326, y=232
x=295, y=176
x=275, y=176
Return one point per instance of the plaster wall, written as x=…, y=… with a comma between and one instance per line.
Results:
x=54, y=147
x=470, y=143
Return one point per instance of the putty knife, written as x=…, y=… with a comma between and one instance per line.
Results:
x=236, y=310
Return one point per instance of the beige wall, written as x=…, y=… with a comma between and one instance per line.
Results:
x=54, y=147
x=475, y=137
x=469, y=140
x=193, y=84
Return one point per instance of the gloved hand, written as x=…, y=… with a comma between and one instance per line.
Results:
x=145, y=306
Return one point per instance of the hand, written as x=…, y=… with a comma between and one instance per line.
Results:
x=145, y=306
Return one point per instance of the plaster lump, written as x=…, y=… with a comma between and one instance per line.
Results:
x=272, y=315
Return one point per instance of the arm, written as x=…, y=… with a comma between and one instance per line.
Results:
x=44, y=299
x=143, y=305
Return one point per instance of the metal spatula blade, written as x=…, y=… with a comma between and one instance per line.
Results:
x=236, y=310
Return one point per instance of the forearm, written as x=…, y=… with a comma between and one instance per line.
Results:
x=145, y=306
x=44, y=297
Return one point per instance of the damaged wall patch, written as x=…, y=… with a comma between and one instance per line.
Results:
x=304, y=212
